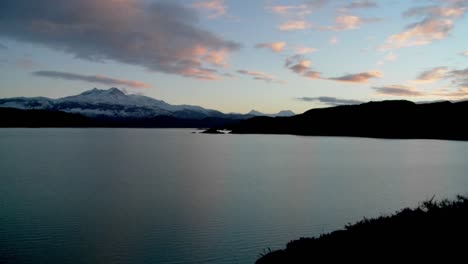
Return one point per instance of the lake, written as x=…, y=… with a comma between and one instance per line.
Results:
x=170, y=196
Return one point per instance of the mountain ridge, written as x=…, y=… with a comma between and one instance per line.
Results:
x=113, y=103
x=386, y=119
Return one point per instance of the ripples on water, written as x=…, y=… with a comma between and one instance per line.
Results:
x=169, y=196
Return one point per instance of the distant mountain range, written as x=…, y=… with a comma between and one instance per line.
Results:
x=114, y=107
x=387, y=119
x=113, y=103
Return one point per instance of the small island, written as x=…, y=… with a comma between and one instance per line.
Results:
x=212, y=131
x=432, y=231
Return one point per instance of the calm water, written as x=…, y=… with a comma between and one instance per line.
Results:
x=169, y=196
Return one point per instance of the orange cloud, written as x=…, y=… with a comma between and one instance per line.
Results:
x=273, y=46
x=460, y=93
x=362, y=77
x=420, y=34
x=217, y=57
x=347, y=22
x=294, y=25
x=431, y=75
x=437, y=22
x=304, y=50
x=284, y=10
x=216, y=8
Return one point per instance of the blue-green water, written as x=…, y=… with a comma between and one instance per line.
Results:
x=170, y=196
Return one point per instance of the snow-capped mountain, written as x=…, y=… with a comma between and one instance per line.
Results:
x=283, y=113
x=113, y=103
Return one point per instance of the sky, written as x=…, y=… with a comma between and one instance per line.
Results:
x=238, y=55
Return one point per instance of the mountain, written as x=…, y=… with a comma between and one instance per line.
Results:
x=113, y=103
x=386, y=119
x=113, y=108
x=280, y=113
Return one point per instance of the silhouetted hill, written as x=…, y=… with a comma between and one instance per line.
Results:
x=386, y=119
x=435, y=231
x=11, y=117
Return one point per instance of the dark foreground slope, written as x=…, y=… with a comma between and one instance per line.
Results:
x=435, y=231
x=387, y=119
x=11, y=117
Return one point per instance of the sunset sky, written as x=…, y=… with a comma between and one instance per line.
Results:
x=237, y=55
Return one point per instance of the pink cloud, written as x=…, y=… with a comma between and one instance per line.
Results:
x=420, y=34
x=431, y=75
x=389, y=57
x=333, y=40
x=216, y=8
x=91, y=78
x=294, y=25
x=346, y=22
x=436, y=24
x=261, y=76
x=398, y=90
x=273, y=46
x=304, y=50
x=302, y=66
x=160, y=36
x=362, y=77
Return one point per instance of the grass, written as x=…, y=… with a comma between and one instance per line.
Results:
x=433, y=231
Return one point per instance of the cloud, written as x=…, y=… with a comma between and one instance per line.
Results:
x=216, y=8
x=362, y=77
x=361, y=4
x=26, y=63
x=464, y=53
x=419, y=34
x=435, y=11
x=296, y=14
x=302, y=66
x=460, y=93
x=331, y=101
x=389, y=57
x=304, y=50
x=333, y=40
x=90, y=78
x=458, y=73
x=346, y=22
x=398, y=90
x=436, y=23
x=3, y=47
x=294, y=25
x=261, y=76
x=297, y=10
x=273, y=46
x=431, y=75
x=289, y=10
x=161, y=37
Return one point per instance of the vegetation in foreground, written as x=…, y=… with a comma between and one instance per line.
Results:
x=434, y=231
